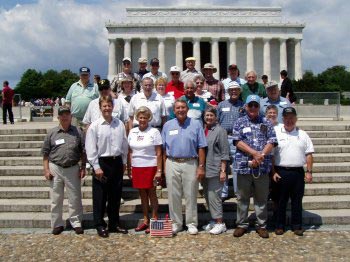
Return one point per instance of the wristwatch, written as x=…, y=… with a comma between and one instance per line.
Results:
x=201, y=165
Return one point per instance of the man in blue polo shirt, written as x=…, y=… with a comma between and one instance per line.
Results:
x=80, y=94
x=254, y=138
x=184, y=144
x=274, y=98
x=228, y=113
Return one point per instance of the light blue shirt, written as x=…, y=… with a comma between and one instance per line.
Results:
x=80, y=97
x=183, y=141
x=281, y=103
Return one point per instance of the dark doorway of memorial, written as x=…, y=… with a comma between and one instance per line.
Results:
x=187, y=51
x=205, y=53
x=222, y=60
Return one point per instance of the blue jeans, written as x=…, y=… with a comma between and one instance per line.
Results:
x=229, y=167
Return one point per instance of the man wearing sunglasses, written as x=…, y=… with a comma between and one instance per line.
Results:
x=155, y=73
x=254, y=138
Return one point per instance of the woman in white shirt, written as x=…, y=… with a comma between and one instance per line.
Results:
x=168, y=98
x=145, y=157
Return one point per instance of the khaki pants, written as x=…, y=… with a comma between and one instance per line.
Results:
x=69, y=178
x=181, y=179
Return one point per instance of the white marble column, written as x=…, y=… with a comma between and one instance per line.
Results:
x=267, y=58
x=112, y=58
x=144, y=48
x=178, y=53
x=283, y=54
x=298, y=73
x=197, y=52
x=250, y=54
x=161, y=54
x=127, y=47
x=233, y=51
x=215, y=56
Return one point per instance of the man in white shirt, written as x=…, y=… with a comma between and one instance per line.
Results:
x=93, y=112
x=294, y=150
x=233, y=73
x=154, y=74
x=106, y=149
x=150, y=99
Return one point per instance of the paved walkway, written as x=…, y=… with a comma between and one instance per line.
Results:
x=313, y=246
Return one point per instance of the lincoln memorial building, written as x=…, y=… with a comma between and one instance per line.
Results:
x=254, y=38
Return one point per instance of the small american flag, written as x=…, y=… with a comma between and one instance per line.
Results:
x=161, y=228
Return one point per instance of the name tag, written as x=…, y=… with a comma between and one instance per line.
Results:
x=283, y=103
x=59, y=142
x=247, y=130
x=173, y=132
x=196, y=105
x=226, y=109
x=171, y=93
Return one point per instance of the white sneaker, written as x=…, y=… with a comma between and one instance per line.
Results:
x=192, y=229
x=209, y=226
x=218, y=229
x=175, y=228
x=122, y=201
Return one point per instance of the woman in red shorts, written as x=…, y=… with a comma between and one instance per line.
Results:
x=145, y=154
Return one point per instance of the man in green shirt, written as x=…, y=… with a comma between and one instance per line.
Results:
x=80, y=94
x=252, y=87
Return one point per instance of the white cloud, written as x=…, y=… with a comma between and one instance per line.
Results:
x=66, y=34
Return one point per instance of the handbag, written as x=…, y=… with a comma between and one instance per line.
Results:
x=161, y=227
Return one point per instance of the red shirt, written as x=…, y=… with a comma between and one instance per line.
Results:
x=178, y=90
x=7, y=95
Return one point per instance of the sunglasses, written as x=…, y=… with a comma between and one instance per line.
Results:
x=255, y=105
x=175, y=73
x=155, y=64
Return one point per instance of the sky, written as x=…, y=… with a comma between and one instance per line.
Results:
x=66, y=34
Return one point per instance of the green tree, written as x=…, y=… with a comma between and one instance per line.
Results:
x=28, y=85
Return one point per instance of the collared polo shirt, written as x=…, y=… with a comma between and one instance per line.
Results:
x=229, y=112
x=175, y=90
x=80, y=98
x=183, y=141
x=169, y=101
x=93, y=112
x=155, y=103
x=292, y=147
x=105, y=139
x=187, y=75
x=257, y=89
x=255, y=134
x=280, y=103
x=64, y=148
x=196, y=107
x=156, y=76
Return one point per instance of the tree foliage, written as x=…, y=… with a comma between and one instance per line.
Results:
x=51, y=84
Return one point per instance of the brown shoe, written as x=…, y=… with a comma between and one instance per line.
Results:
x=262, y=232
x=57, y=230
x=79, y=230
x=279, y=231
x=239, y=231
x=299, y=232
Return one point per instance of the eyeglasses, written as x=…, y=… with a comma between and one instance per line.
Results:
x=155, y=64
x=199, y=83
x=175, y=73
x=126, y=63
x=255, y=105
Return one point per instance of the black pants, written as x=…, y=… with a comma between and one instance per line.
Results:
x=5, y=108
x=107, y=194
x=291, y=185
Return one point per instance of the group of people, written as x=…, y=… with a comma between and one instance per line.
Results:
x=191, y=130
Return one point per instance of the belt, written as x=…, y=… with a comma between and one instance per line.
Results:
x=289, y=168
x=65, y=166
x=182, y=160
x=109, y=157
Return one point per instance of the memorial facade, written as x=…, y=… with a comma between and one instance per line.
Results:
x=254, y=38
